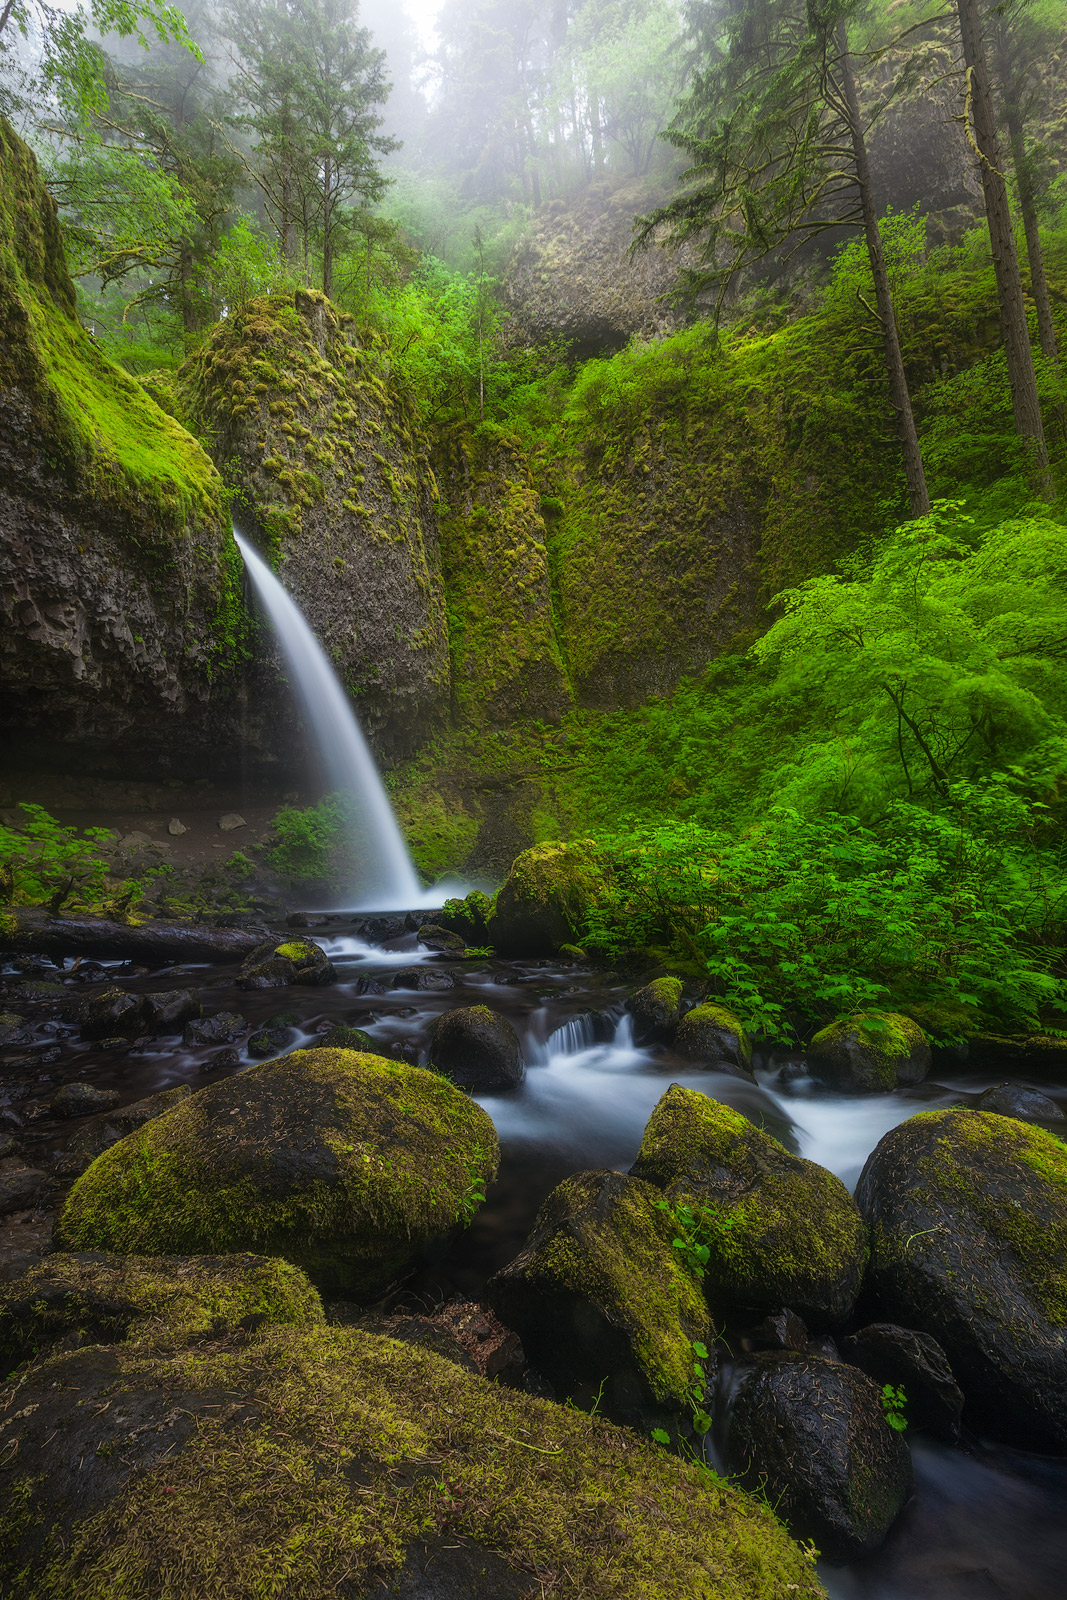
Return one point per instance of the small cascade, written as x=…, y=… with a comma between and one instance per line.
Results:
x=384, y=878
x=577, y=1033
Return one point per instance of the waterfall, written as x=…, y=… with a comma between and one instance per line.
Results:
x=385, y=877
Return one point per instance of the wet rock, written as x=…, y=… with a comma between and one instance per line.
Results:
x=268, y=1042
x=476, y=1049
x=298, y=919
x=713, y=1036
x=916, y=1362
x=871, y=1054
x=599, y=1293
x=494, y=1351
x=115, y=1014
x=341, y=1037
x=346, y=1165
x=136, y=1115
x=222, y=1060
x=230, y=821
x=545, y=899
x=89, y=1298
x=783, y=1330
x=468, y=917
x=169, y=1010
x=428, y=979
x=14, y=1029
x=780, y=1231
x=441, y=940
x=20, y=1185
x=1012, y=1100
x=656, y=1010
x=266, y=1412
x=275, y=966
x=218, y=1029
x=83, y=1100
x=812, y=1437
x=968, y=1220
x=175, y=827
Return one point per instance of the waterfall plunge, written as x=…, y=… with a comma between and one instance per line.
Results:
x=386, y=879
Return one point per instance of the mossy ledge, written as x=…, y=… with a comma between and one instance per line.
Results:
x=326, y=1462
x=345, y=1164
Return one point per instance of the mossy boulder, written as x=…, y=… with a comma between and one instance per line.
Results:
x=477, y=1049
x=656, y=1009
x=869, y=1054
x=120, y=598
x=713, y=1036
x=441, y=940
x=275, y=966
x=468, y=917
x=115, y=1014
x=322, y=1461
x=781, y=1231
x=342, y=1037
x=605, y=1305
x=91, y=1298
x=968, y=1219
x=545, y=899
x=811, y=1435
x=347, y=1165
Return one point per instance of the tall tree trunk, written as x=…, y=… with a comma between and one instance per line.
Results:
x=327, y=232
x=595, y=132
x=1046, y=328
x=918, y=494
x=982, y=128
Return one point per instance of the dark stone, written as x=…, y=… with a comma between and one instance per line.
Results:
x=83, y=1100
x=782, y=1330
x=154, y=1105
x=268, y=1042
x=276, y=965
x=115, y=1014
x=968, y=1219
x=713, y=1037
x=341, y=1037
x=824, y=1346
x=222, y=1060
x=902, y=1357
x=441, y=940
x=219, y=1029
x=298, y=919
x=168, y=1011
x=870, y=1054
x=812, y=1437
x=20, y=1185
x=1012, y=1100
x=425, y=978
x=656, y=1010
x=477, y=1049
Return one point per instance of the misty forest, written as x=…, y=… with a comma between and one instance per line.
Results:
x=533, y=884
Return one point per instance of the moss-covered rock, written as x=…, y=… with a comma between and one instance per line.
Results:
x=295, y=401
x=869, y=1054
x=713, y=1036
x=655, y=1009
x=275, y=966
x=347, y=1165
x=477, y=1049
x=322, y=1462
x=468, y=917
x=811, y=1435
x=342, y=1037
x=605, y=1305
x=968, y=1220
x=781, y=1231
x=545, y=899
x=93, y=1298
x=120, y=606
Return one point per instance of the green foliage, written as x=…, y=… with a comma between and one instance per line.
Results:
x=43, y=862
x=894, y=1401
x=313, y=842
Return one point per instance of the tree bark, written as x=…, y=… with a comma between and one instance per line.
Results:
x=982, y=127
x=1046, y=328
x=914, y=472
x=32, y=929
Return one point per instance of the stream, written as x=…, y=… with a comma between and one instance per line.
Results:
x=985, y=1520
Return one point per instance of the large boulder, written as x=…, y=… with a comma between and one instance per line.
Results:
x=92, y=1298
x=334, y=476
x=968, y=1220
x=348, y=1165
x=322, y=1461
x=869, y=1054
x=477, y=1049
x=605, y=1307
x=115, y=1014
x=713, y=1036
x=120, y=587
x=780, y=1231
x=812, y=1436
x=655, y=1009
x=468, y=917
x=544, y=901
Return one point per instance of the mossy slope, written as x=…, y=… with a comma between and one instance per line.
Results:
x=325, y=1462
x=345, y=1164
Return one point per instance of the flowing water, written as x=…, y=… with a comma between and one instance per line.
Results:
x=384, y=876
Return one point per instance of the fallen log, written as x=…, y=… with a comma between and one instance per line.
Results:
x=30, y=930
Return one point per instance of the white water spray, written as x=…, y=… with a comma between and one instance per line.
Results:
x=384, y=878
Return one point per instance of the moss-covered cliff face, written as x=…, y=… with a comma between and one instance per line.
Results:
x=506, y=663
x=120, y=601
x=331, y=476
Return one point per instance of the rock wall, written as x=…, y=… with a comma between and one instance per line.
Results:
x=334, y=482
x=120, y=609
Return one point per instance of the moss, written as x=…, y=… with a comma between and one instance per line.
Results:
x=331, y=1455
x=780, y=1230
x=666, y=992
x=95, y=1298
x=299, y=952
x=713, y=1022
x=868, y=1049
x=546, y=898
x=344, y=1163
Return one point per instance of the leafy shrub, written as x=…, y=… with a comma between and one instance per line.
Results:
x=313, y=842
x=43, y=862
